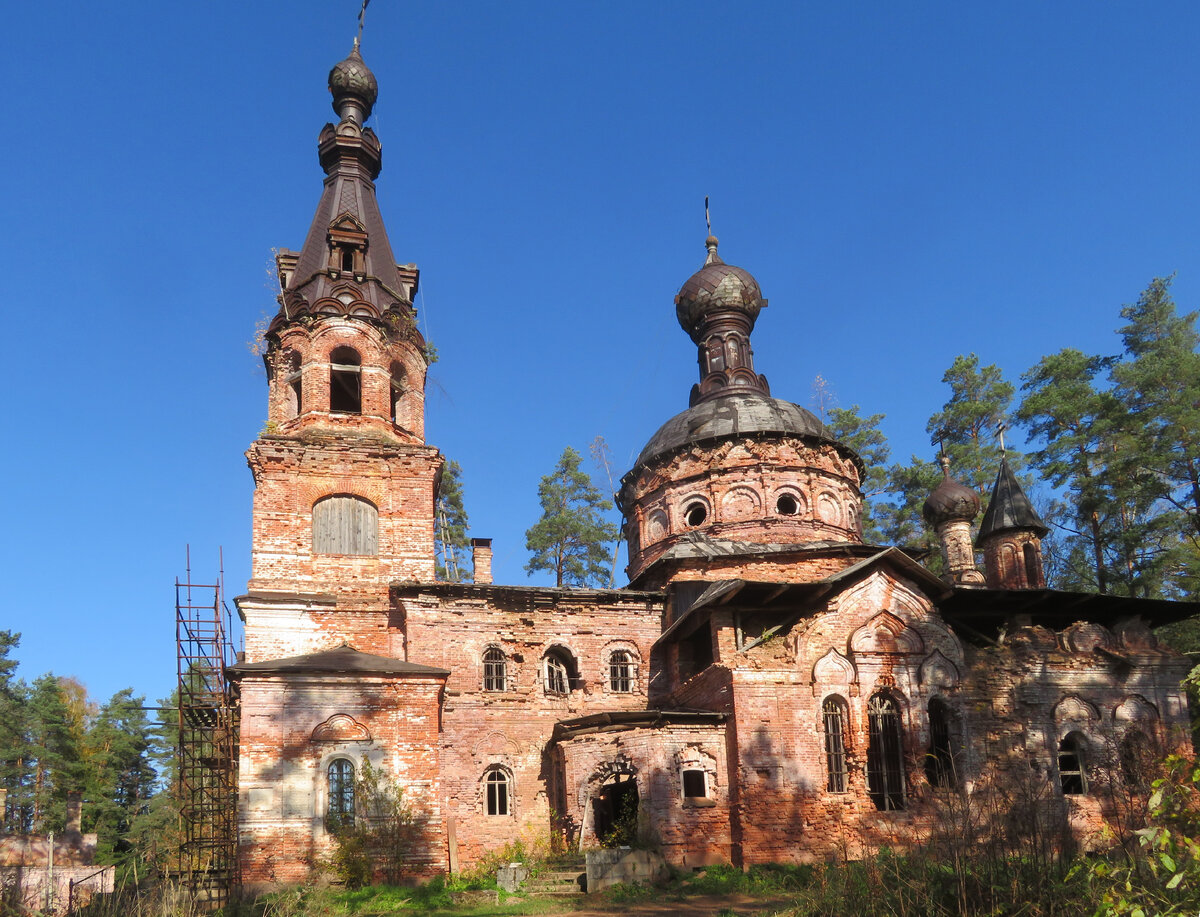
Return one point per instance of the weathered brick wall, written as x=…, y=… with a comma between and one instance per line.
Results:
x=451, y=627
x=1005, y=565
x=740, y=486
x=294, y=726
x=690, y=832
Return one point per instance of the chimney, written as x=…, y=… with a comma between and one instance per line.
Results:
x=481, y=557
x=74, y=812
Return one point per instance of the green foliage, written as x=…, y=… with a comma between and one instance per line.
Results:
x=862, y=434
x=450, y=525
x=1161, y=875
x=377, y=843
x=571, y=538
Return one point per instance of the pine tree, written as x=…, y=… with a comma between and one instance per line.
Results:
x=14, y=745
x=450, y=526
x=55, y=758
x=571, y=538
x=862, y=434
x=121, y=777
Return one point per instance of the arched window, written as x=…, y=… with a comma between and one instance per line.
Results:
x=833, y=716
x=495, y=670
x=498, y=789
x=1033, y=567
x=1072, y=769
x=339, y=813
x=345, y=381
x=620, y=671
x=344, y=524
x=559, y=670
x=941, y=761
x=885, y=753
x=396, y=390
x=292, y=379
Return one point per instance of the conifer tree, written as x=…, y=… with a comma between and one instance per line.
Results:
x=55, y=761
x=571, y=538
x=13, y=741
x=862, y=434
x=450, y=526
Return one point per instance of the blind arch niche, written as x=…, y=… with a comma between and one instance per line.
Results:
x=345, y=524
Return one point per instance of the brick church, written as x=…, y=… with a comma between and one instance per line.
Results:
x=767, y=688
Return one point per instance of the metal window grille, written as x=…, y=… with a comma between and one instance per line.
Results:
x=340, y=810
x=497, y=792
x=834, y=716
x=885, y=754
x=495, y=670
x=620, y=671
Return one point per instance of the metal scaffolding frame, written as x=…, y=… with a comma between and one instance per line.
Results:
x=208, y=740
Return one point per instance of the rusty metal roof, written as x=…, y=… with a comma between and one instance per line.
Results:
x=734, y=415
x=344, y=660
x=1009, y=508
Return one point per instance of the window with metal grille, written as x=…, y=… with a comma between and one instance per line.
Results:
x=941, y=761
x=498, y=789
x=885, y=754
x=339, y=813
x=833, y=714
x=620, y=671
x=495, y=670
x=345, y=381
x=558, y=678
x=1072, y=772
x=345, y=524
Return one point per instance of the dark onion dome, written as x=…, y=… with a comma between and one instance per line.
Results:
x=351, y=81
x=1009, y=509
x=716, y=287
x=731, y=416
x=950, y=501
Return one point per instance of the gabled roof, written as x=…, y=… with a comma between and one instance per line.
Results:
x=1009, y=509
x=798, y=598
x=344, y=660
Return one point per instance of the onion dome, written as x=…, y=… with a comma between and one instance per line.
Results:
x=716, y=290
x=353, y=85
x=951, y=501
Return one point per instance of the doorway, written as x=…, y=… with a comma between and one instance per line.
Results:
x=615, y=811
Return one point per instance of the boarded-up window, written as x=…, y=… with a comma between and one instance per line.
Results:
x=343, y=524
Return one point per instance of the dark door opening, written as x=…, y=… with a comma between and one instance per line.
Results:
x=615, y=810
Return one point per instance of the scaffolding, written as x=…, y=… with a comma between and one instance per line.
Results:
x=208, y=740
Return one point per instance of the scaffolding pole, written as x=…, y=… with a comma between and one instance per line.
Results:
x=208, y=741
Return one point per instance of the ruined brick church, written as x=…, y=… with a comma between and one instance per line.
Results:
x=767, y=688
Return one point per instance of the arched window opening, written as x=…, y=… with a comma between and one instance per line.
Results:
x=833, y=716
x=695, y=514
x=345, y=524
x=292, y=381
x=345, y=381
x=1072, y=771
x=620, y=671
x=495, y=670
x=1033, y=567
x=347, y=258
x=397, y=390
x=339, y=813
x=498, y=789
x=941, y=761
x=787, y=505
x=885, y=754
x=559, y=672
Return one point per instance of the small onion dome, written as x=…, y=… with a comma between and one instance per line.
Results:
x=351, y=81
x=951, y=501
x=717, y=287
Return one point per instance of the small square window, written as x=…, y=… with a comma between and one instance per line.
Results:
x=695, y=784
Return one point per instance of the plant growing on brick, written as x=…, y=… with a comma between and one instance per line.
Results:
x=571, y=538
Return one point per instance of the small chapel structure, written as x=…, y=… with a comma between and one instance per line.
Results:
x=767, y=688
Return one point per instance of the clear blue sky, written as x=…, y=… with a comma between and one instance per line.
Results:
x=908, y=181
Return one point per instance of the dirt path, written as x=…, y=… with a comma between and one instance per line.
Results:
x=698, y=906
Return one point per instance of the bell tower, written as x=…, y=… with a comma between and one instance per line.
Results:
x=344, y=482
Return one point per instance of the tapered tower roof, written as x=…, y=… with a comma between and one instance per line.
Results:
x=1009, y=509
